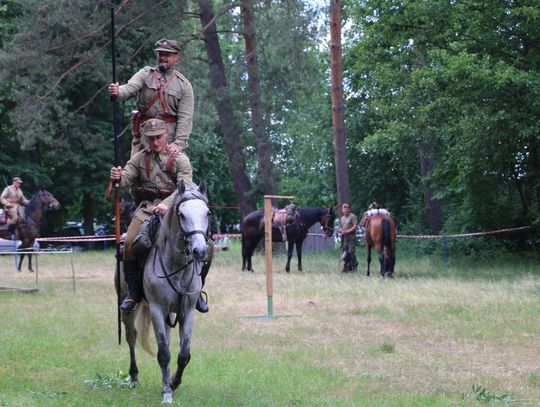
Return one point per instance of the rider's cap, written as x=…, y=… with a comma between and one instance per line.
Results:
x=154, y=127
x=167, y=45
x=17, y=179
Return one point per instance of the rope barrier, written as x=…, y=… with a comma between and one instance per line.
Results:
x=215, y=236
x=491, y=232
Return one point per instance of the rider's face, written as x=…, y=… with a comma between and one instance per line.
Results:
x=158, y=143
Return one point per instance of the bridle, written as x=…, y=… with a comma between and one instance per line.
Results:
x=188, y=251
x=325, y=221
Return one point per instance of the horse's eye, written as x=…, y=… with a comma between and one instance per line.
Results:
x=182, y=216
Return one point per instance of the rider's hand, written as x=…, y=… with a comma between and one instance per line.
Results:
x=160, y=208
x=114, y=89
x=173, y=149
x=116, y=173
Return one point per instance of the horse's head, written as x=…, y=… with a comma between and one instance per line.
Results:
x=192, y=211
x=127, y=210
x=327, y=222
x=47, y=200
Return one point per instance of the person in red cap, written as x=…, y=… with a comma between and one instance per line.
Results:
x=13, y=198
x=163, y=93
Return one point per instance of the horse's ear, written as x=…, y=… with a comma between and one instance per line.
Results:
x=181, y=187
x=202, y=187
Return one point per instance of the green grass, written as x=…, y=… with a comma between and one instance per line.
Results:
x=455, y=333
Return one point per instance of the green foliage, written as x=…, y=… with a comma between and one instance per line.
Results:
x=115, y=381
x=480, y=393
x=461, y=79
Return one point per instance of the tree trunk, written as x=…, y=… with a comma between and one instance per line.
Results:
x=340, y=151
x=88, y=214
x=222, y=100
x=432, y=206
x=267, y=177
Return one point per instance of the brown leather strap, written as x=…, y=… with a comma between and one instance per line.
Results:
x=161, y=89
x=147, y=158
x=170, y=162
x=166, y=119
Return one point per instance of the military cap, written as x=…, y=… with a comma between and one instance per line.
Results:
x=154, y=127
x=17, y=179
x=167, y=45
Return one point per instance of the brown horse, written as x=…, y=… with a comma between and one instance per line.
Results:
x=28, y=228
x=381, y=233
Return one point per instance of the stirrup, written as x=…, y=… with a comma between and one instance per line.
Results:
x=128, y=305
x=202, y=303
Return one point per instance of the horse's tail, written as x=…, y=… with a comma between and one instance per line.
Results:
x=142, y=326
x=387, y=241
x=388, y=247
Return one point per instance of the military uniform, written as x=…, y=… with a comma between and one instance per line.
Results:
x=12, y=198
x=349, y=242
x=150, y=182
x=168, y=96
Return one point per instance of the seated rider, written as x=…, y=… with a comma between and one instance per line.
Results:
x=152, y=174
x=13, y=198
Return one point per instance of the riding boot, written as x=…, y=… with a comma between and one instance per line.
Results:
x=202, y=305
x=11, y=229
x=134, y=291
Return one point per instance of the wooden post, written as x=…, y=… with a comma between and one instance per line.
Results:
x=268, y=247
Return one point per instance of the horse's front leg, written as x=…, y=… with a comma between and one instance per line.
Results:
x=290, y=246
x=20, y=258
x=161, y=331
x=184, y=356
x=30, y=269
x=299, y=254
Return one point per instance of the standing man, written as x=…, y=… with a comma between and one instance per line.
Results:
x=348, y=225
x=13, y=198
x=163, y=93
x=152, y=175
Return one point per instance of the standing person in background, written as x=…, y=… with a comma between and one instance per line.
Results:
x=347, y=231
x=163, y=93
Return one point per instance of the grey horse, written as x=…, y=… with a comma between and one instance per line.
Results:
x=172, y=284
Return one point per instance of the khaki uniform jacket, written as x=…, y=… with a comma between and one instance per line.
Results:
x=12, y=197
x=135, y=175
x=347, y=222
x=178, y=95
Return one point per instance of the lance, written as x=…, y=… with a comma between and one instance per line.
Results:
x=117, y=162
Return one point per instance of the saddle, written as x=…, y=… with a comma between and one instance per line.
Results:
x=372, y=212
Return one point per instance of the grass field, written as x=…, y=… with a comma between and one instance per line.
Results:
x=456, y=333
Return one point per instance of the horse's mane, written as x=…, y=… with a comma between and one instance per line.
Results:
x=31, y=205
x=169, y=218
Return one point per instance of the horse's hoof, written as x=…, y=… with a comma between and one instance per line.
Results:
x=19, y=270
x=30, y=270
x=167, y=398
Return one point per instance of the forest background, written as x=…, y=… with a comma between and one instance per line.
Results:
x=442, y=105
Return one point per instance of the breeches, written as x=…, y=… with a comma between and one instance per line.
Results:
x=349, y=244
x=13, y=214
x=132, y=232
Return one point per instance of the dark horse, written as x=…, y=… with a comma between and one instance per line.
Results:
x=28, y=228
x=381, y=233
x=253, y=231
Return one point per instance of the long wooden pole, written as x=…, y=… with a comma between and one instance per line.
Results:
x=268, y=248
x=117, y=162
